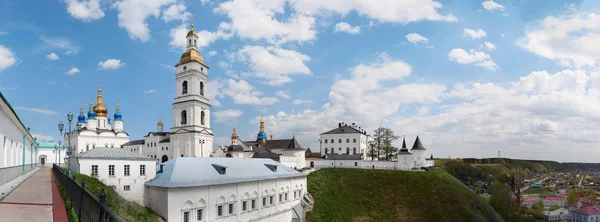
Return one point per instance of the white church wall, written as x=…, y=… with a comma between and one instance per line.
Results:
x=319, y=163
x=135, y=181
x=157, y=199
x=52, y=156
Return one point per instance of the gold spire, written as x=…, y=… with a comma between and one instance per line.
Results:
x=262, y=124
x=99, y=108
x=160, y=123
x=81, y=110
x=234, y=135
x=191, y=54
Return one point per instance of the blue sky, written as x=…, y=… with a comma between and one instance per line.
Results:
x=469, y=77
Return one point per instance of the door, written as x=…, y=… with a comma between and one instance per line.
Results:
x=43, y=161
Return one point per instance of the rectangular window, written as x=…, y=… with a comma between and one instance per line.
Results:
x=325, y=141
x=126, y=170
x=126, y=188
x=339, y=140
x=230, y=208
x=332, y=141
x=354, y=140
x=347, y=150
x=199, y=214
x=294, y=194
x=219, y=210
x=264, y=201
x=186, y=216
x=286, y=196
x=354, y=150
x=142, y=170
x=253, y=204
x=271, y=200
x=94, y=170
x=244, y=208
x=347, y=140
x=111, y=170
x=280, y=198
x=300, y=193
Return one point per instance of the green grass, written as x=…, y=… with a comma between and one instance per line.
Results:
x=127, y=210
x=387, y=195
x=541, y=191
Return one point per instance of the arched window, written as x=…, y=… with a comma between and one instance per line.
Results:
x=202, y=88
x=87, y=147
x=189, y=42
x=202, y=117
x=183, y=117
x=194, y=42
x=184, y=88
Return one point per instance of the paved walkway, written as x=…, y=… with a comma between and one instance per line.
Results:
x=31, y=201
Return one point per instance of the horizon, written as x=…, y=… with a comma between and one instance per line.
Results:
x=469, y=78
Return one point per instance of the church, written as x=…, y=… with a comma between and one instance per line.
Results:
x=286, y=151
x=191, y=135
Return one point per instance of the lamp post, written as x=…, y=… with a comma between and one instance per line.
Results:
x=70, y=118
x=24, y=147
x=31, y=148
x=202, y=148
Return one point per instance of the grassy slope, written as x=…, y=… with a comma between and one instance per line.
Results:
x=127, y=210
x=385, y=195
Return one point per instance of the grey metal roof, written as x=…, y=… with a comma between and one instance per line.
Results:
x=418, y=145
x=202, y=171
x=157, y=134
x=133, y=142
x=111, y=153
x=167, y=140
x=343, y=130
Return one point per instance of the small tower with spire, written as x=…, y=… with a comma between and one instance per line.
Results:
x=160, y=126
x=261, y=138
x=80, y=119
x=234, y=137
x=118, y=119
x=91, y=117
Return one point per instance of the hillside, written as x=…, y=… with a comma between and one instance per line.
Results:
x=386, y=195
x=496, y=169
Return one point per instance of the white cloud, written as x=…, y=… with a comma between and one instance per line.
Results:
x=150, y=91
x=214, y=91
x=212, y=53
x=73, y=71
x=42, y=138
x=176, y=12
x=51, y=43
x=228, y=115
x=110, y=64
x=205, y=38
x=347, y=28
x=52, y=56
x=472, y=57
x=283, y=94
x=133, y=15
x=299, y=101
x=492, y=5
x=489, y=46
x=3, y=33
x=415, y=38
x=274, y=64
x=37, y=110
x=570, y=40
x=474, y=34
x=85, y=10
x=7, y=58
x=242, y=92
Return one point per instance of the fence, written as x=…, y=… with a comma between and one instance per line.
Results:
x=10, y=173
x=87, y=206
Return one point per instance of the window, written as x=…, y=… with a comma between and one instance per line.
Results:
x=294, y=194
x=94, y=170
x=326, y=141
x=264, y=201
x=339, y=140
x=184, y=88
x=183, y=117
x=271, y=200
x=199, y=214
x=126, y=188
x=220, y=211
x=347, y=150
x=347, y=140
x=354, y=140
x=280, y=198
x=355, y=163
x=186, y=216
x=126, y=170
x=202, y=117
x=332, y=141
x=231, y=208
x=111, y=170
x=202, y=88
x=142, y=170
x=286, y=196
x=326, y=150
x=354, y=150
x=87, y=147
x=244, y=208
x=162, y=148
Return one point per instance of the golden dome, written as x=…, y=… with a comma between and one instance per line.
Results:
x=160, y=123
x=191, y=55
x=234, y=135
x=99, y=108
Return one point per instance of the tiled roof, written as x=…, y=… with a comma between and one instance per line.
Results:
x=343, y=130
x=200, y=171
x=111, y=153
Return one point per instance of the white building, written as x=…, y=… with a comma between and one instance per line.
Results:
x=406, y=160
x=15, y=157
x=558, y=201
x=51, y=153
x=584, y=210
x=191, y=134
x=225, y=189
x=558, y=214
x=285, y=151
x=123, y=170
x=345, y=139
x=97, y=130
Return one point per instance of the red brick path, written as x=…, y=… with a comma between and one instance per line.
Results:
x=58, y=204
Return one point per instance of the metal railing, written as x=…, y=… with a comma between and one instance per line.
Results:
x=88, y=207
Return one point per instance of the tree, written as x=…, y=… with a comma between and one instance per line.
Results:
x=539, y=205
x=384, y=137
x=500, y=200
x=372, y=149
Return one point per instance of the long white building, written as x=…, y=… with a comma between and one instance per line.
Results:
x=15, y=156
x=226, y=189
x=345, y=140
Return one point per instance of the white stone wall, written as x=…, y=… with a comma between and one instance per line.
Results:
x=363, y=164
x=135, y=181
x=182, y=200
x=87, y=140
x=52, y=156
x=360, y=145
x=11, y=140
x=292, y=158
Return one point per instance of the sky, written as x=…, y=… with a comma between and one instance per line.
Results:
x=471, y=78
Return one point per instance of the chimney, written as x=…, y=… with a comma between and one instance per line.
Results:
x=339, y=125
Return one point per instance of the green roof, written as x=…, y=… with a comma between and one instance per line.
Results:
x=49, y=145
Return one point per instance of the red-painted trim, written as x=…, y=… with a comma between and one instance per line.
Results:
x=58, y=204
x=35, y=204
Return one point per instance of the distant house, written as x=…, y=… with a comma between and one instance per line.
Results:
x=558, y=214
x=559, y=201
x=584, y=210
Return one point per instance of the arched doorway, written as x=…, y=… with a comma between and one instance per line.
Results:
x=312, y=164
x=164, y=158
x=43, y=160
x=229, y=155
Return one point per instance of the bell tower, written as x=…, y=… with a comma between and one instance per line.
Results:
x=191, y=135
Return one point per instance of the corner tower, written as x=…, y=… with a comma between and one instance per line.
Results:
x=191, y=135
